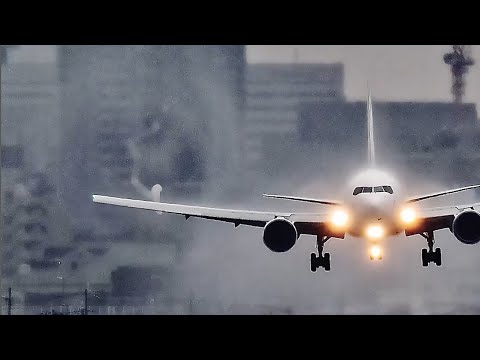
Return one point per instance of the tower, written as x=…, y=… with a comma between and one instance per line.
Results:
x=459, y=60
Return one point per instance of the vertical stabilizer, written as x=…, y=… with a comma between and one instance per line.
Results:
x=371, y=137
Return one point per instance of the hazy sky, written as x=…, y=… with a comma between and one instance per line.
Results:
x=398, y=72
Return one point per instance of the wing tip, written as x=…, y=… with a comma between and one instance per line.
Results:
x=96, y=198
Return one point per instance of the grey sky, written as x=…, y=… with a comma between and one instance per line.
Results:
x=394, y=72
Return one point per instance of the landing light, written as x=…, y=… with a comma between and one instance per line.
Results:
x=375, y=252
x=408, y=215
x=375, y=231
x=339, y=218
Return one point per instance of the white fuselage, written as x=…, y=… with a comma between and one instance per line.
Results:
x=373, y=199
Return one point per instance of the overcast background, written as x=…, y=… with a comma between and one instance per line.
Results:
x=394, y=72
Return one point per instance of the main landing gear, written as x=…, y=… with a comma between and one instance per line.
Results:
x=431, y=255
x=322, y=260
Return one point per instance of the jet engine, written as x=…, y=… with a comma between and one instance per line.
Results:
x=466, y=227
x=280, y=235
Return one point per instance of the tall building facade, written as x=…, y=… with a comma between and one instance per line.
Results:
x=30, y=113
x=195, y=93
x=30, y=116
x=274, y=92
x=32, y=219
x=99, y=109
x=180, y=105
x=134, y=116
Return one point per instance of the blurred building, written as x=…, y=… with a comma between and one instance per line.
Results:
x=192, y=98
x=164, y=114
x=179, y=104
x=30, y=139
x=274, y=92
x=99, y=108
x=30, y=115
x=4, y=53
x=131, y=285
x=424, y=138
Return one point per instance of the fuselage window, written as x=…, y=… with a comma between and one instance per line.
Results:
x=388, y=189
x=367, y=189
x=378, y=189
x=357, y=191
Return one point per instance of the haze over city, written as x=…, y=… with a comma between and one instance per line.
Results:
x=399, y=72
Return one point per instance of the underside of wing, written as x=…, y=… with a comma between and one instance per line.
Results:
x=306, y=223
x=437, y=218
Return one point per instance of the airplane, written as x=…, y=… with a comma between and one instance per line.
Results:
x=374, y=207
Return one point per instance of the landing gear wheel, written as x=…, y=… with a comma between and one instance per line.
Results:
x=326, y=262
x=313, y=262
x=438, y=257
x=424, y=257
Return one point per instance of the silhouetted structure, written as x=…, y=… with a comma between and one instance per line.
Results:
x=459, y=61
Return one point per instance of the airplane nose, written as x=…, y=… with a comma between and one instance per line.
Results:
x=375, y=210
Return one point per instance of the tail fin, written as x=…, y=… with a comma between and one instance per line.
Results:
x=371, y=137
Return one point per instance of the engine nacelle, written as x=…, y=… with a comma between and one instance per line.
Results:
x=280, y=235
x=466, y=227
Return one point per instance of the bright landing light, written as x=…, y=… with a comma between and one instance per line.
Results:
x=408, y=215
x=375, y=231
x=339, y=218
x=375, y=252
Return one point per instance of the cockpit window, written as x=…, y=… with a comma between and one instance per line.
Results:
x=388, y=189
x=357, y=191
x=376, y=189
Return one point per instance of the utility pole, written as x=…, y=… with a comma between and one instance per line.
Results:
x=86, y=302
x=190, y=303
x=63, y=288
x=9, y=301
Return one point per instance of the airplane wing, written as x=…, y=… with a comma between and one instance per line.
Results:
x=310, y=200
x=432, y=219
x=306, y=223
x=441, y=193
